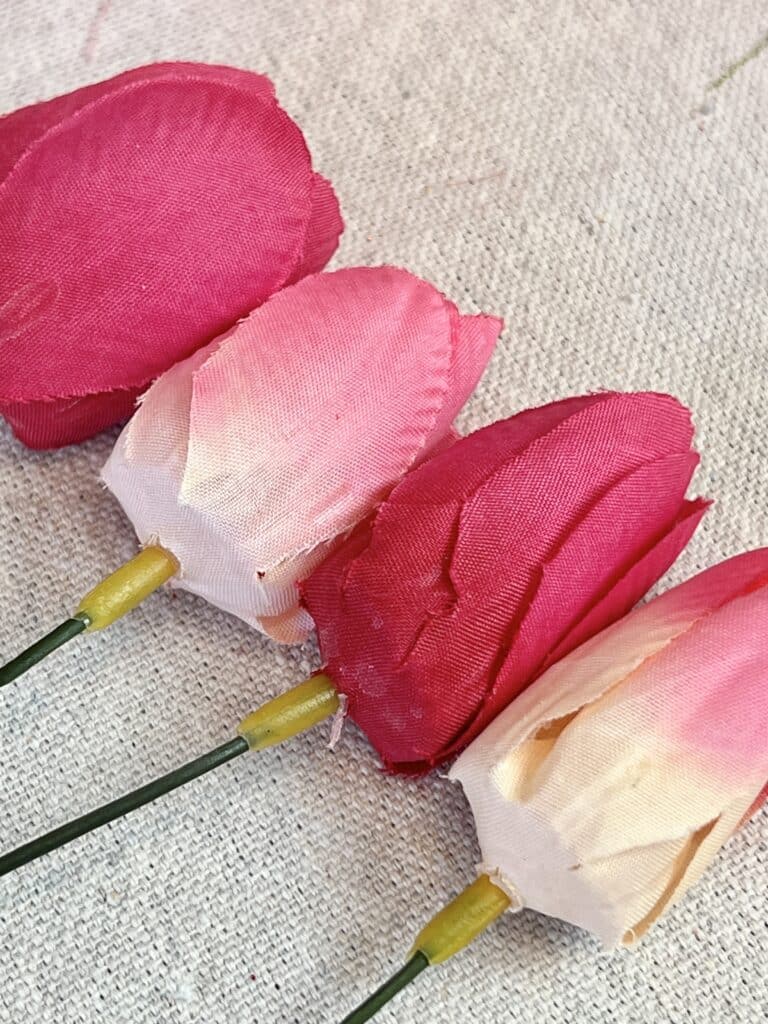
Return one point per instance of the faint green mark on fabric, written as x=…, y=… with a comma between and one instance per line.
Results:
x=731, y=70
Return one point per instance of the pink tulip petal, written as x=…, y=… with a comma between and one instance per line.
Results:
x=707, y=692
x=250, y=459
x=318, y=463
x=432, y=616
x=473, y=341
x=640, y=578
x=597, y=560
x=323, y=230
x=21, y=128
x=184, y=197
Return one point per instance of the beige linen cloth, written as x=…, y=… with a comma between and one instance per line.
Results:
x=597, y=173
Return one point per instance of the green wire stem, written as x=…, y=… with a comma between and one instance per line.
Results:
x=117, y=808
x=115, y=596
x=388, y=990
x=451, y=929
x=42, y=648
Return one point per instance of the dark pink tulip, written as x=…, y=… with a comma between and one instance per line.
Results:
x=497, y=557
x=139, y=218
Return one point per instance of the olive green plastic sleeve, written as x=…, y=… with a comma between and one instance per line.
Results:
x=456, y=925
x=127, y=587
x=291, y=713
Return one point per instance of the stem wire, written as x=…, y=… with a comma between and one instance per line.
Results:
x=388, y=990
x=123, y=805
x=17, y=666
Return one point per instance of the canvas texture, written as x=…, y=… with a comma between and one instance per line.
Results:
x=594, y=173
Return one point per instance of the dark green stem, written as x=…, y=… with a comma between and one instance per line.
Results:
x=388, y=990
x=41, y=649
x=117, y=808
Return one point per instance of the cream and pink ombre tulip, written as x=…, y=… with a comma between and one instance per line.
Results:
x=603, y=792
x=251, y=458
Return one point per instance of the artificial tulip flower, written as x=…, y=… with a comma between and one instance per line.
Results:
x=496, y=559
x=245, y=462
x=250, y=459
x=139, y=218
x=604, y=791
x=437, y=544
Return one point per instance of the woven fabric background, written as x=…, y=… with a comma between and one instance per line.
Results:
x=596, y=173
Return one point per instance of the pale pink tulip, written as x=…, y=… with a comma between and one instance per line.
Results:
x=603, y=792
x=249, y=459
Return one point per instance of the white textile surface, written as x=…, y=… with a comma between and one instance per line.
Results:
x=597, y=173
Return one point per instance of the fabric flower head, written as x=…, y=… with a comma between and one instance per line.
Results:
x=140, y=217
x=249, y=459
x=497, y=557
x=603, y=792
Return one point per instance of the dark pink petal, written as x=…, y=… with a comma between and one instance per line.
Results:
x=491, y=555
x=323, y=230
x=643, y=574
x=139, y=218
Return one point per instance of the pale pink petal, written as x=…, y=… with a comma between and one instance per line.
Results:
x=322, y=399
x=249, y=460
